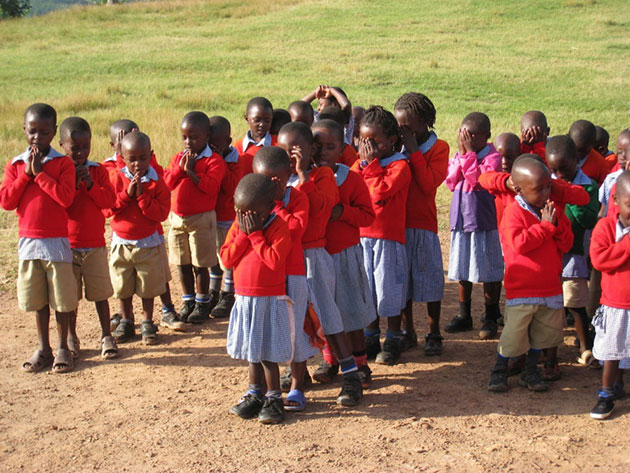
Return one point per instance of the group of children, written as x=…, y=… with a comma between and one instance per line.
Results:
x=317, y=224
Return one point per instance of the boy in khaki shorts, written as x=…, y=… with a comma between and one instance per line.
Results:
x=39, y=184
x=86, y=230
x=534, y=235
x=136, y=263
x=194, y=176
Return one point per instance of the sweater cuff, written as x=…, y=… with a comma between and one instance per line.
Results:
x=550, y=227
x=307, y=187
x=256, y=236
x=373, y=169
x=23, y=178
x=124, y=197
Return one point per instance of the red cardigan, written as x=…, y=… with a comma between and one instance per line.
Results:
x=613, y=260
x=357, y=212
x=258, y=259
x=225, y=200
x=596, y=167
x=389, y=188
x=186, y=197
x=245, y=158
x=86, y=222
x=349, y=156
x=322, y=193
x=428, y=171
x=533, y=250
x=295, y=214
x=537, y=148
x=112, y=164
x=41, y=201
x=138, y=218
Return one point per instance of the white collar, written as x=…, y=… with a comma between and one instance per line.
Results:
x=248, y=140
x=52, y=154
x=151, y=174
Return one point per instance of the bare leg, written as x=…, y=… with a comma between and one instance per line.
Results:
x=147, y=308
x=272, y=375
x=202, y=280
x=42, y=319
x=434, y=309
x=186, y=278
x=102, y=309
x=126, y=306
x=63, y=324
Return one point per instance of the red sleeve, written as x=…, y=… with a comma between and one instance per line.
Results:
x=272, y=246
x=154, y=164
x=563, y=235
x=563, y=192
x=429, y=173
x=349, y=156
x=321, y=190
x=212, y=174
x=495, y=182
x=173, y=173
x=231, y=178
x=62, y=188
x=520, y=236
x=120, y=191
x=155, y=203
x=236, y=243
x=360, y=212
x=102, y=192
x=536, y=148
x=606, y=254
x=13, y=185
x=386, y=182
x=297, y=217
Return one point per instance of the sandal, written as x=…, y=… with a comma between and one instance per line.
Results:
x=149, y=332
x=114, y=321
x=109, y=350
x=38, y=361
x=63, y=361
x=296, y=397
x=74, y=345
x=586, y=358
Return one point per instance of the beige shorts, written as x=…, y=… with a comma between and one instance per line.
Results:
x=575, y=292
x=530, y=326
x=41, y=283
x=192, y=240
x=137, y=271
x=167, y=268
x=92, y=271
x=221, y=235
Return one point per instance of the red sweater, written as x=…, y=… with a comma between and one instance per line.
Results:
x=596, y=167
x=246, y=157
x=322, y=193
x=357, y=212
x=225, y=200
x=112, y=164
x=86, y=222
x=428, y=171
x=611, y=159
x=258, y=259
x=41, y=201
x=536, y=148
x=349, y=156
x=613, y=260
x=295, y=214
x=389, y=188
x=138, y=218
x=186, y=197
x=533, y=250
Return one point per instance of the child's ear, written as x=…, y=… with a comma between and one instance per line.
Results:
x=615, y=199
x=245, y=117
x=229, y=141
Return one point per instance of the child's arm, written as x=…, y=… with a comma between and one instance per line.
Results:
x=272, y=246
x=174, y=172
x=102, y=192
x=231, y=178
x=297, y=219
x=429, y=174
x=13, y=186
x=319, y=91
x=563, y=192
x=236, y=243
x=322, y=191
x=607, y=255
x=360, y=212
x=496, y=182
x=212, y=174
x=386, y=182
x=454, y=173
x=155, y=204
x=123, y=200
x=585, y=215
x=62, y=188
x=342, y=100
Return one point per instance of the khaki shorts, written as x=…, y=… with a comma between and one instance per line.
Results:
x=167, y=268
x=137, y=271
x=221, y=235
x=92, y=271
x=575, y=292
x=192, y=240
x=530, y=326
x=41, y=283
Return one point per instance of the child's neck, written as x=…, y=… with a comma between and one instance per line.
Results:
x=424, y=136
x=45, y=151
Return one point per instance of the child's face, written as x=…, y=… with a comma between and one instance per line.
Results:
x=298, y=115
x=326, y=102
x=262, y=208
x=77, y=147
x=623, y=150
x=583, y=148
x=39, y=131
x=622, y=199
x=417, y=125
x=289, y=141
x=195, y=137
x=536, y=191
x=259, y=121
x=220, y=141
x=137, y=157
x=383, y=144
x=280, y=179
x=328, y=148
x=562, y=166
x=479, y=137
x=509, y=151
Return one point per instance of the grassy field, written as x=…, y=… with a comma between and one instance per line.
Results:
x=153, y=62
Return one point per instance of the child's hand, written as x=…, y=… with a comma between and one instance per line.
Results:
x=119, y=137
x=240, y=218
x=464, y=141
x=549, y=213
x=183, y=161
x=337, y=210
x=321, y=91
x=509, y=183
x=28, y=169
x=254, y=222
x=302, y=163
x=36, y=160
x=139, y=186
x=82, y=174
x=190, y=162
x=367, y=150
x=532, y=135
x=408, y=139
x=131, y=190
x=279, y=188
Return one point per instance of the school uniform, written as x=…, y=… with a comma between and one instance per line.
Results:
x=247, y=149
x=605, y=190
x=538, y=149
x=611, y=159
x=348, y=157
x=225, y=200
x=383, y=241
x=45, y=259
x=261, y=322
x=348, y=129
x=595, y=166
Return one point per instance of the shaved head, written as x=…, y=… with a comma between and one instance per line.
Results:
x=136, y=140
x=529, y=168
x=534, y=118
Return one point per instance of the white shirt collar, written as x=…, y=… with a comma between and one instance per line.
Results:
x=248, y=140
x=621, y=231
x=52, y=154
x=151, y=174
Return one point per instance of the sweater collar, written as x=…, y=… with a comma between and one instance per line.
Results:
x=248, y=140
x=341, y=174
x=151, y=174
x=620, y=231
x=232, y=156
x=484, y=152
x=423, y=147
x=270, y=219
x=527, y=207
x=393, y=158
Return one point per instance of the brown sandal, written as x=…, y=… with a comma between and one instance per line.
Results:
x=37, y=362
x=109, y=350
x=63, y=361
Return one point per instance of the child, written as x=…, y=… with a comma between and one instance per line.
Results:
x=280, y=118
x=582, y=132
x=387, y=175
x=291, y=206
x=117, y=132
x=357, y=116
x=601, y=146
x=194, y=177
x=220, y=141
x=534, y=236
x=257, y=247
x=354, y=210
x=318, y=183
x=328, y=96
x=610, y=254
x=40, y=185
x=428, y=162
x=475, y=248
x=301, y=111
x=136, y=262
x=509, y=147
x=349, y=155
x=562, y=161
x=86, y=230
x=534, y=133
x=258, y=115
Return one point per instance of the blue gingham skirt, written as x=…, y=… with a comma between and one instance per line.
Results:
x=297, y=290
x=261, y=329
x=320, y=275
x=426, y=273
x=612, y=334
x=576, y=266
x=352, y=292
x=475, y=256
x=386, y=268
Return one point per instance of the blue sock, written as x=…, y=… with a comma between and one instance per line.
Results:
x=393, y=333
x=255, y=389
x=215, y=279
x=347, y=365
x=168, y=308
x=371, y=332
x=188, y=297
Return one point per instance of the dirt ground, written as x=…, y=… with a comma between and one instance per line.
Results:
x=166, y=408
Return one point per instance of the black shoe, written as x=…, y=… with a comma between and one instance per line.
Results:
x=171, y=320
x=200, y=313
x=272, y=411
x=351, y=391
x=365, y=376
x=488, y=330
x=459, y=324
x=325, y=372
x=114, y=321
x=390, y=353
x=516, y=365
x=223, y=308
x=408, y=340
x=433, y=344
x=498, y=380
x=531, y=380
x=372, y=345
x=124, y=331
x=187, y=308
x=248, y=406
x=149, y=332
x=604, y=406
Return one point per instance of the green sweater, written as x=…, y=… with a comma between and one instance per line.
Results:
x=583, y=217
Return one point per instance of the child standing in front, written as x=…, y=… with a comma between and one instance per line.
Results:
x=387, y=175
x=260, y=332
x=428, y=162
x=194, y=178
x=476, y=254
x=40, y=185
